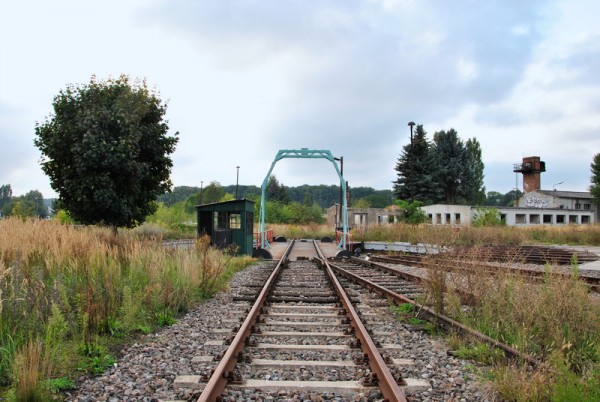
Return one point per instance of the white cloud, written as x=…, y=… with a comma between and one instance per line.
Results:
x=246, y=78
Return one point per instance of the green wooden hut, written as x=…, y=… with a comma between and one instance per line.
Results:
x=227, y=223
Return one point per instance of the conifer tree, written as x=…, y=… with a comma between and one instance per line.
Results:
x=595, y=186
x=416, y=170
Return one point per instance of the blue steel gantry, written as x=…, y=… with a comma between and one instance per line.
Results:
x=309, y=154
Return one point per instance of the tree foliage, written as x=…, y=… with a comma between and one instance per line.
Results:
x=416, y=171
x=211, y=193
x=451, y=159
x=29, y=205
x=292, y=213
x=447, y=170
x=595, y=179
x=473, y=190
x=179, y=193
x=5, y=194
x=361, y=203
x=411, y=212
x=496, y=199
x=486, y=217
x=276, y=191
x=106, y=151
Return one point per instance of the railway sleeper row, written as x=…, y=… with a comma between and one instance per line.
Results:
x=302, y=340
x=297, y=340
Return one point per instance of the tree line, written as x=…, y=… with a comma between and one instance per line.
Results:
x=32, y=204
x=322, y=195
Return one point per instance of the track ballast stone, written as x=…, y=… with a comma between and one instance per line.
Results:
x=147, y=369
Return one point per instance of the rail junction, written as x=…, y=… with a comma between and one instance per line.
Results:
x=311, y=312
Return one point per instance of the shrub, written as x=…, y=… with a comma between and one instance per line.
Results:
x=486, y=217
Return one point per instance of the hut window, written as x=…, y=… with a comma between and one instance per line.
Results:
x=235, y=221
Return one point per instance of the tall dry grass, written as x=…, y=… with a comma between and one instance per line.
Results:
x=555, y=320
x=77, y=284
x=512, y=235
x=30, y=368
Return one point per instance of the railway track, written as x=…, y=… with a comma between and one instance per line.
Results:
x=470, y=262
x=315, y=328
x=304, y=327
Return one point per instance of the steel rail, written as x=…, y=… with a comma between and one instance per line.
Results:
x=386, y=381
x=465, y=297
x=218, y=380
x=447, y=322
x=483, y=268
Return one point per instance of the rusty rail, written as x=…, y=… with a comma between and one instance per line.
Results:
x=387, y=384
x=465, y=267
x=446, y=322
x=218, y=381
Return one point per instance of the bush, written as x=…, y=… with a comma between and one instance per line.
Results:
x=486, y=217
x=411, y=212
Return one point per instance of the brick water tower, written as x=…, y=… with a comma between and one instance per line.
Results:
x=531, y=169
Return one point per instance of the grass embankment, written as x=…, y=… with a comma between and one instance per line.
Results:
x=69, y=294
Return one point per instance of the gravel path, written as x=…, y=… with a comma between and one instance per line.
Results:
x=147, y=369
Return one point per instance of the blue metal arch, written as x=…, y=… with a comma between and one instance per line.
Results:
x=311, y=154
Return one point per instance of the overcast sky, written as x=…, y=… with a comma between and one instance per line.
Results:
x=244, y=79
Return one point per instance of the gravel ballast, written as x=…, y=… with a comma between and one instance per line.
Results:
x=147, y=369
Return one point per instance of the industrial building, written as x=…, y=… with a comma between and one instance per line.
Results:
x=534, y=207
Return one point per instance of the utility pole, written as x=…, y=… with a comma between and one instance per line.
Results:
x=341, y=159
x=237, y=180
x=411, y=163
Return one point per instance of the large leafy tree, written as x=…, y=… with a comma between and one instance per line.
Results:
x=595, y=186
x=416, y=169
x=106, y=151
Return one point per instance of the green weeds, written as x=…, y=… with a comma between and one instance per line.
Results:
x=63, y=286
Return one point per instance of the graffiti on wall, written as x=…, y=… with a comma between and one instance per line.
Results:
x=534, y=202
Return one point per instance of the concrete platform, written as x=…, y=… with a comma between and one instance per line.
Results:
x=303, y=249
x=594, y=265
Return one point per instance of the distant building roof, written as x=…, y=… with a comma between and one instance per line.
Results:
x=567, y=194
